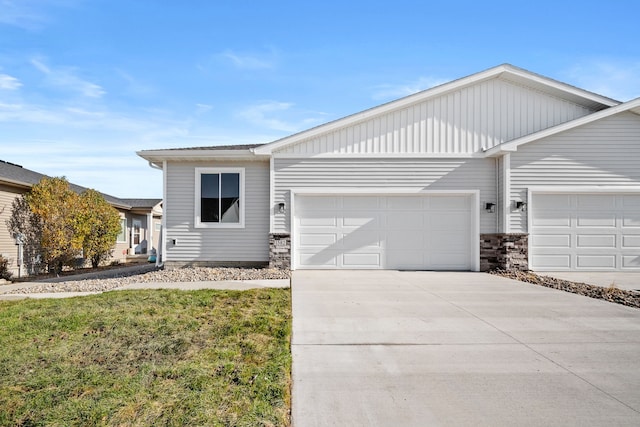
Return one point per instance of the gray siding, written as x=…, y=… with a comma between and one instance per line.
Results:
x=250, y=243
x=602, y=153
x=8, y=247
x=460, y=122
x=441, y=174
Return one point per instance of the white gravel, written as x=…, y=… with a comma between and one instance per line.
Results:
x=189, y=274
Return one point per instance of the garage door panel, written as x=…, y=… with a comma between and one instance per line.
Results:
x=631, y=261
x=450, y=221
x=318, y=239
x=553, y=261
x=360, y=260
x=596, y=241
x=597, y=232
x=402, y=220
x=631, y=242
x=449, y=203
x=363, y=203
x=544, y=218
x=325, y=259
x=355, y=219
x=315, y=204
x=596, y=219
x=587, y=202
x=596, y=261
x=631, y=219
x=552, y=240
x=405, y=240
x=318, y=221
x=399, y=203
x=359, y=239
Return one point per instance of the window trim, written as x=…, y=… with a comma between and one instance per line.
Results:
x=198, y=182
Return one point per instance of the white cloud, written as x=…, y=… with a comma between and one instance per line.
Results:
x=29, y=14
x=66, y=78
x=394, y=91
x=616, y=79
x=250, y=62
x=280, y=116
x=203, y=108
x=8, y=82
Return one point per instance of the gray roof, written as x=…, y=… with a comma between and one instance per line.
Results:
x=16, y=174
x=216, y=147
x=142, y=203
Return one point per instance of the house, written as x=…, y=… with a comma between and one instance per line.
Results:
x=504, y=168
x=140, y=218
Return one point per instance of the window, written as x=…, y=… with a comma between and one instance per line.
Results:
x=219, y=197
x=122, y=236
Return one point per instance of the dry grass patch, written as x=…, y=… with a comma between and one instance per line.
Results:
x=147, y=358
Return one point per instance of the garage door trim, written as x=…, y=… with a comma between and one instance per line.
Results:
x=324, y=191
x=538, y=190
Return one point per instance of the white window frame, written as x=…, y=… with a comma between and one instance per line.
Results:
x=198, y=182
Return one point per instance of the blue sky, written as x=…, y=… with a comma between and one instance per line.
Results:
x=84, y=84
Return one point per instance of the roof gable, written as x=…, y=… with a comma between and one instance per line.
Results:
x=632, y=106
x=465, y=99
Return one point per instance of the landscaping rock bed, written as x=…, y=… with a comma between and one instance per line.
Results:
x=612, y=294
x=189, y=274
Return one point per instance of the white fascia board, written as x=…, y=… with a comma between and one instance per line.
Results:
x=513, y=145
x=158, y=156
x=563, y=87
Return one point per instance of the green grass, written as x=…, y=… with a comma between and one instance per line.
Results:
x=138, y=358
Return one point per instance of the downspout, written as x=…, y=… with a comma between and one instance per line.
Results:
x=163, y=231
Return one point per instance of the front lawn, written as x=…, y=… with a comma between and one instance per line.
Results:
x=141, y=358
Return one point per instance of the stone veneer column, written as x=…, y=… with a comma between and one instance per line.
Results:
x=504, y=251
x=280, y=251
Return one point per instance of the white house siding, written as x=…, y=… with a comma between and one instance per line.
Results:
x=381, y=174
x=250, y=244
x=460, y=122
x=602, y=153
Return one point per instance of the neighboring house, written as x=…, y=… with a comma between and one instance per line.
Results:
x=140, y=217
x=504, y=168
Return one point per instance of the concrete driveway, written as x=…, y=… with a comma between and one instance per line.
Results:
x=389, y=348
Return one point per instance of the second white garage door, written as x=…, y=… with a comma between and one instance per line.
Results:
x=590, y=232
x=432, y=232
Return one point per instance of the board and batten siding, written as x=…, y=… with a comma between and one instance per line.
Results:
x=601, y=153
x=250, y=243
x=381, y=174
x=8, y=248
x=460, y=122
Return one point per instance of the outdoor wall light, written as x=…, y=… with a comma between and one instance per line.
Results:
x=521, y=206
x=281, y=207
x=490, y=207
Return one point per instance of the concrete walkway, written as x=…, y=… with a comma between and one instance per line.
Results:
x=388, y=348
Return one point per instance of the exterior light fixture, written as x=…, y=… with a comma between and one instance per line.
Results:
x=281, y=207
x=490, y=207
x=521, y=206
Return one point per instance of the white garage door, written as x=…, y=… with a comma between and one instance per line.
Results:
x=384, y=232
x=585, y=232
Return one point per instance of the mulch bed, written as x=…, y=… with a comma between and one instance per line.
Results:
x=611, y=294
